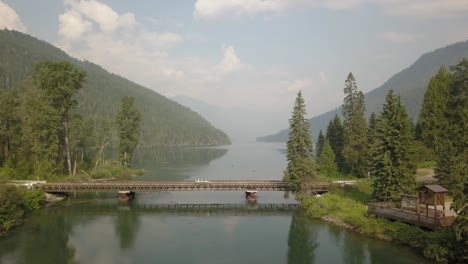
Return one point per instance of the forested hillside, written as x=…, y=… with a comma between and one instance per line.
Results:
x=410, y=84
x=165, y=123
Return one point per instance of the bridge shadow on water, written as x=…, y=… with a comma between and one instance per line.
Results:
x=106, y=207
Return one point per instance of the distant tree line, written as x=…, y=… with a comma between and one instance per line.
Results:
x=42, y=136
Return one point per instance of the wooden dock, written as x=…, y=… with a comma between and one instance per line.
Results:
x=432, y=220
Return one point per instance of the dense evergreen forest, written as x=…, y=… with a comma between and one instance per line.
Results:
x=164, y=122
x=410, y=84
x=386, y=150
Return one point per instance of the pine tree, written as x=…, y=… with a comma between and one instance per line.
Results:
x=300, y=167
x=320, y=145
x=335, y=135
x=129, y=123
x=392, y=164
x=432, y=120
x=355, y=149
x=452, y=155
x=326, y=161
x=371, y=129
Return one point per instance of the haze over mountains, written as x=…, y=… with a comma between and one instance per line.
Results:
x=165, y=122
x=411, y=83
x=241, y=124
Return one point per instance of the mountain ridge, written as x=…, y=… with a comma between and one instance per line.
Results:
x=165, y=122
x=411, y=83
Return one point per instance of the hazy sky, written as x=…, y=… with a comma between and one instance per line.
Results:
x=249, y=54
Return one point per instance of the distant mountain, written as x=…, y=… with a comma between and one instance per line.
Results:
x=165, y=122
x=410, y=83
x=241, y=124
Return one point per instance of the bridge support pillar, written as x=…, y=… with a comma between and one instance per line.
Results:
x=251, y=195
x=124, y=196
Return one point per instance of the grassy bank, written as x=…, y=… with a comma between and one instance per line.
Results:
x=347, y=207
x=108, y=171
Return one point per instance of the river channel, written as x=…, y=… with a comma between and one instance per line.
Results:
x=96, y=228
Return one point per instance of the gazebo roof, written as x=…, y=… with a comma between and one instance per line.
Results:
x=434, y=188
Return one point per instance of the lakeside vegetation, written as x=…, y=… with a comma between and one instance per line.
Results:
x=346, y=207
x=386, y=152
x=16, y=203
x=43, y=138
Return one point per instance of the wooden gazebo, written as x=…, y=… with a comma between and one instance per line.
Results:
x=431, y=195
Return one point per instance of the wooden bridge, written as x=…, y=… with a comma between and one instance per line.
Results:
x=160, y=186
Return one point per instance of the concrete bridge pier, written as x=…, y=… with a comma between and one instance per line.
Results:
x=251, y=195
x=125, y=196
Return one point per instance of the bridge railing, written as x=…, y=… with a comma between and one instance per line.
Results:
x=176, y=186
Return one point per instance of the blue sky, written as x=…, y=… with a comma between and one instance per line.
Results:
x=249, y=55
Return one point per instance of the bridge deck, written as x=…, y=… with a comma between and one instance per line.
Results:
x=140, y=186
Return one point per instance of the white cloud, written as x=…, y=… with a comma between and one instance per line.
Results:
x=213, y=9
x=91, y=30
x=107, y=19
x=10, y=19
x=207, y=9
x=230, y=62
x=397, y=37
x=72, y=26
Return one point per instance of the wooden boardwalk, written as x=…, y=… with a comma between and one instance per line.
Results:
x=153, y=186
x=433, y=221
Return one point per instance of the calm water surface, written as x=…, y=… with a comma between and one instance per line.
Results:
x=94, y=228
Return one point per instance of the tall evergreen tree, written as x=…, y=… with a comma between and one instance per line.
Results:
x=355, y=149
x=61, y=81
x=335, y=135
x=129, y=123
x=326, y=161
x=452, y=154
x=371, y=129
x=432, y=120
x=392, y=164
x=320, y=145
x=300, y=167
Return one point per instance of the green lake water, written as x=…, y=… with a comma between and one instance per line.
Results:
x=96, y=228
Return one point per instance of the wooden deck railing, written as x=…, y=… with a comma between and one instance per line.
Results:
x=431, y=222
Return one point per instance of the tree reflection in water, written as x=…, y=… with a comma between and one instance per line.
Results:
x=127, y=225
x=43, y=240
x=302, y=240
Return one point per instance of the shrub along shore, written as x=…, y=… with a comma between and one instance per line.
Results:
x=17, y=203
x=346, y=207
